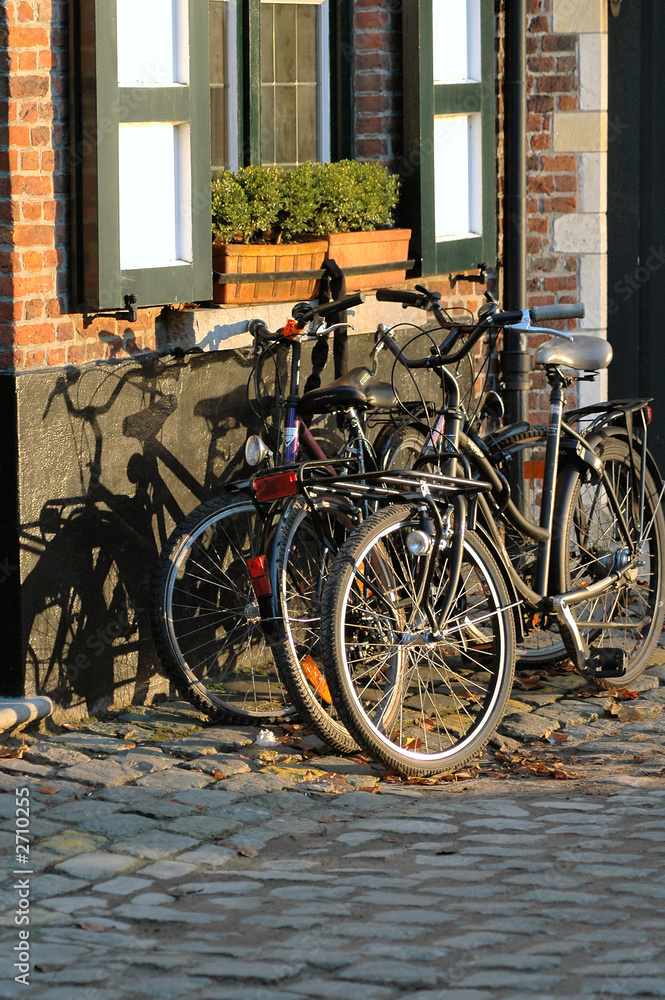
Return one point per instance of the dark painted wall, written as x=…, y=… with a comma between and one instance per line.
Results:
x=110, y=457
x=636, y=208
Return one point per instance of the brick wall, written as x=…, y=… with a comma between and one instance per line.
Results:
x=378, y=81
x=35, y=325
x=552, y=85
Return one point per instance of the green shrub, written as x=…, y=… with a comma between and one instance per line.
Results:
x=273, y=204
x=230, y=211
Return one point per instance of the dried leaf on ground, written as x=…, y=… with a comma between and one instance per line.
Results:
x=631, y=714
x=529, y=683
x=15, y=753
x=555, y=737
x=246, y=851
x=91, y=925
x=46, y=789
x=218, y=775
x=624, y=694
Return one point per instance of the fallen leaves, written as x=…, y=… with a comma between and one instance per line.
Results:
x=14, y=753
x=528, y=766
x=46, y=789
x=245, y=851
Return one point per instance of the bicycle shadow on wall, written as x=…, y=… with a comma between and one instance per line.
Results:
x=127, y=447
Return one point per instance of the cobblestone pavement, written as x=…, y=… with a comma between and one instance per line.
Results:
x=169, y=857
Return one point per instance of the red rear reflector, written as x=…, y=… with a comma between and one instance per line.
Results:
x=258, y=570
x=649, y=413
x=283, y=484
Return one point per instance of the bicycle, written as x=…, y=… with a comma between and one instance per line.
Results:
x=400, y=627
x=207, y=598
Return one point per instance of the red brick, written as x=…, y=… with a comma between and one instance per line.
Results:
x=566, y=182
x=27, y=38
x=559, y=204
x=33, y=333
x=560, y=284
x=559, y=43
x=32, y=210
x=568, y=103
x=28, y=86
x=562, y=162
x=541, y=184
x=30, y=160
x=33, y=261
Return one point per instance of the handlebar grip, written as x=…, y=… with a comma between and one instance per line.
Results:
x=258, y=328
x=573, y=310
x=409, y=298
x=339, y=305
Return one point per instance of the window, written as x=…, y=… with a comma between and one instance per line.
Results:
x=140, y=152
x=270, y=81
x=450, y=146
x=151, y=84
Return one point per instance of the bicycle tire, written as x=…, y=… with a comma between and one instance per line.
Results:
x=205, y=617
x=589, y=543
x=419, y=709
x=305, y=545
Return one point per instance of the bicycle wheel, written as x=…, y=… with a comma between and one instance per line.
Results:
x=419, y=705
x=305, y=545
x=205, y=617
x=401, y=449
x=590, y=545
x=521, y=459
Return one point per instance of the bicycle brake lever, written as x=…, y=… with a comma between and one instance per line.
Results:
x=524, y=326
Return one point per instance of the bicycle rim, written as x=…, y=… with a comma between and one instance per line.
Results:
x=420, y=707
x=206, y=618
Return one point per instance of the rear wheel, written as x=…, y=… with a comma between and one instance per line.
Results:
x=591, y=545
x=205, y=616
x=419, y=704
x=306, y=542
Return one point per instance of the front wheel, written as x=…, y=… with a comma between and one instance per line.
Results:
x=420, y=704
x=591, y=545
x=205, y=616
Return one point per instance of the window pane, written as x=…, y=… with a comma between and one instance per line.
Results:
x=292, y=81
x=220, y=83
x=307, y=124
x=152, y=233
x=286, y=148
x=457, y=176
x=456, y=40
x=285, y=41
x=152, y=42
x=307, y=43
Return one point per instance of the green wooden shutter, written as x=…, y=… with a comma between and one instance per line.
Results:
x=109, y=263
x=426, y=103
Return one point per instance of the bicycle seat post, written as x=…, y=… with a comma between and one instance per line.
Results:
x=558, y=383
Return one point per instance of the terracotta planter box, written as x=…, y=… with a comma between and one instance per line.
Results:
x=239, y=258
x=365, y=249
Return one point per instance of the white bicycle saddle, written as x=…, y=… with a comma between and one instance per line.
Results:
x=587, y=354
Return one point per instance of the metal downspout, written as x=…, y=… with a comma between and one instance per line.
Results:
x=515, y=361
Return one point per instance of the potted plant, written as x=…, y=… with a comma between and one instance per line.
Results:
x=268, y=220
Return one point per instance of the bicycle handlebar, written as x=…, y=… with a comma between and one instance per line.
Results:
x=303, y=313
x=493, y=318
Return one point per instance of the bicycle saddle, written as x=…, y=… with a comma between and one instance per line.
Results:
x=354, y=389
x=583, y=353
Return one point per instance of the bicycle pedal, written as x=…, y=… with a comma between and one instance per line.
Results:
x=606, y=663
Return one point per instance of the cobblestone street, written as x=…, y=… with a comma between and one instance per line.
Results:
x=170, y=857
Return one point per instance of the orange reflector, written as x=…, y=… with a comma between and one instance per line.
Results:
x=534, y=468
x=258, y=570
x=282, y=484
x=311, y=671
x=649, y=413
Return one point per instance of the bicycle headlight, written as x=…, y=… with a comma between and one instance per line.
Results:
x=255, y=450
